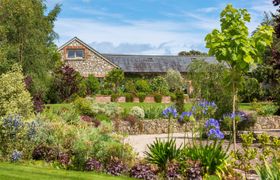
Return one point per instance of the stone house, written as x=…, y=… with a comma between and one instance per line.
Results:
x=86, y=60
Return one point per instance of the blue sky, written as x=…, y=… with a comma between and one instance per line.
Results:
x=147, y=26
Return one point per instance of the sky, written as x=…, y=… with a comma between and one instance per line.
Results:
x=156, y=27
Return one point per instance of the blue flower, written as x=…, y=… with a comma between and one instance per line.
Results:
x=169, y=112
x=185, y=115
x=16, y=156
x=215, y=134
x=212, y=123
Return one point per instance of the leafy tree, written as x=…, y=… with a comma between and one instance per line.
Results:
x=160, y=85
x=115, y=78
x=142, y=85
x=174, y=79
x=192, y=53
x=209, y=82
x=14, y=97
x=233, y=46
x=26, y=31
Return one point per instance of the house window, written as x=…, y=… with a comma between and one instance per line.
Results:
x=75, y=54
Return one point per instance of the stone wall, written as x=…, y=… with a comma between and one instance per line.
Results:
x=147, y=127
x=92, y=63
x=160, y=126
x=267, y=122
x=148, y=99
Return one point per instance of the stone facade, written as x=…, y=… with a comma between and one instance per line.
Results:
x=267, y=122
x=92, y=63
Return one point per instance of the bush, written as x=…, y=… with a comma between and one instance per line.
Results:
x=142, y=171
x=114, y=79
x=269, y=171
x=250, y=90
x=265, y=110
x=153, y=112
x=93, y=165
x=160, y=153
x=83, y=106
x=160, y=85
x=142, y=86
x=130, y=87
x=180, y=101
x=14, y=98
x=92, y=84
x=141, y=96
x=43, y=152
x=172, y=97
x=82, y=92
x=174, y=80
x=115, y=167
x=137, y=112
x=114, y=97
x=128, y=97
x=65, y=84
x=158, y=98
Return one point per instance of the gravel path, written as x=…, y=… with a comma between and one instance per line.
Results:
x=140, y=142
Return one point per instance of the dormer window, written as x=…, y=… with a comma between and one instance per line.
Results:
x=75, y=54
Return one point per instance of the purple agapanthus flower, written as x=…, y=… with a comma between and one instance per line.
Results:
x=169, y=112
x=215, y=134
x=212, y=123
x=184, y=115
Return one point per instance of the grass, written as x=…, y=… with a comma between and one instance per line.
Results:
x=18, y=171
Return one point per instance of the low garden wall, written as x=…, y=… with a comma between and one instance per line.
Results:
x=160, y=126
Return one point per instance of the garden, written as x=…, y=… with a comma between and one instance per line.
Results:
x=53, y=127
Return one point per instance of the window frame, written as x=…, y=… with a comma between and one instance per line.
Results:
x=75, y=53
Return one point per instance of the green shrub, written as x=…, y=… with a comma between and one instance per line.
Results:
x=266, y=110
x=130, y=87
x=160, y=85
x=142, y=86
x=114, y=79
x=211, y=156
x=114, y=97
x=128, y=97
x=82, y=92
x=102, y=117
x=83, y=106
x=162, y=152
x=250, y=90
x=158, y=98
x=179, y=103
x=14, y=98
x=153, y=112
x=137, y=112
x=172, y=97
x=174, y=80
x=141, y=96
x=92, y=84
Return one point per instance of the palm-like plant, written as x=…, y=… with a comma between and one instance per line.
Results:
x=162, y=152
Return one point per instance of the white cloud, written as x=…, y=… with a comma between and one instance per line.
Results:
x=208, y=9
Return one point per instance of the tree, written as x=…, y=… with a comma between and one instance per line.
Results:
x=114, y=78
x=174, y=79
x=192, y=53
x=209, y=82
x=14, y=97
x=233, y=46
x=160, y=85
x=26, y=34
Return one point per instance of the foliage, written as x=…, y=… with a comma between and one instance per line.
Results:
x=142, y=85
x=38, y=102
x=158, y=98
x=18, y=135
x=83, y=106
x=92, y=84
x=114, y=97
x=174, y=80
x=82, y=88
x=180, y=101
x=93, y=165
x=115, y=167
x=269, y=171
x=210, y=82
x=130, y=86
x=192, y=53
x=43, y=152
x=137, y=112
x=128, y=97
x=141, y=96
x=115, y=79
x=250, y=89
x=212, y=157
x=142, y=171
x=27, y=38
x=160, y=85
x=16, y=156
x=65, y=84
x=244, y=121
x=153, y=112
x=162, y=152
x=14, y=98
x=265, y=110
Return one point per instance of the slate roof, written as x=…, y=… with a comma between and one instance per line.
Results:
x=153, y=64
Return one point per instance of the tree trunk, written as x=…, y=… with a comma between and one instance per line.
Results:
x=234, y=89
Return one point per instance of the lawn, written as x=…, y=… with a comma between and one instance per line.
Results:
x=17, y=171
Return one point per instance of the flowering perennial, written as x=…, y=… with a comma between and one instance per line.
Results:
x=169, y=112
